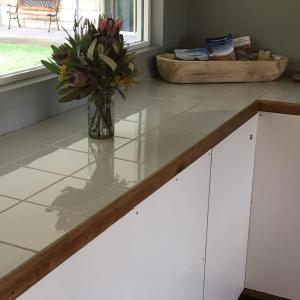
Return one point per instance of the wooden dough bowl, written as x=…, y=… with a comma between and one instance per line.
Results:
x=178, y=71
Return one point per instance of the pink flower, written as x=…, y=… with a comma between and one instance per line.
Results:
x=110, y=25
x=102, y=24
x=119, y=24
x=117, y=27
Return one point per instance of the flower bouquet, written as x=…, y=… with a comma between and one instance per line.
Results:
x=95, y=62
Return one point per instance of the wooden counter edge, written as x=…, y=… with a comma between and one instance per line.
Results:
x=262, y=296
x=29, y=273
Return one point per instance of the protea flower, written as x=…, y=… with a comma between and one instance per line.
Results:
x=96, y=58
x=110, y=27
x=102, y=24
x=62, y=56
x=79, y=79
x=117, y=27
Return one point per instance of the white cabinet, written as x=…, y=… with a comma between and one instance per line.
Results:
x=229, y=211
x=155, y=252
x=188, y=240
x=274, y=244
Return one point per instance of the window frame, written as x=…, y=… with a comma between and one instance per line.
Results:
x=40, y=70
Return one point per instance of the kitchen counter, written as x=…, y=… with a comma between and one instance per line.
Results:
x=59, y=189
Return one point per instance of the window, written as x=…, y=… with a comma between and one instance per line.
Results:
x=22, y=48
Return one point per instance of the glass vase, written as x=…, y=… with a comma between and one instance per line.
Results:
x=101, y=114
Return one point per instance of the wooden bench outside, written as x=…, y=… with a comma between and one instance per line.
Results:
x=47, y=8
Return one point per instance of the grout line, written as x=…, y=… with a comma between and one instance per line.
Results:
x=40, y=170
x=147, y=131
x=66, y=138
x=55, y=144
x=138, y=138
x=43, y=189
x=113, y=158
x=10, y=197
x=13, y=206
x=59, y=208
x=17, y=246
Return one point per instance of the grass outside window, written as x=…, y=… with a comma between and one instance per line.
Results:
x=16, y=57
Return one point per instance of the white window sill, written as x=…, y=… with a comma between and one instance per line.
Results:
x=39, y=74
x=24, y=78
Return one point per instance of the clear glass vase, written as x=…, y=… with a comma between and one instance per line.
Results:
x=101, y=114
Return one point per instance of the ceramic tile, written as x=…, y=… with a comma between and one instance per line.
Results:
x=203, y=118
x=282, y=96
x=124, y=111
x=100, y=171
x=135, y=99
x=163, y=90
x=152, y=154
x=151, y=116
x=47, y=132
x=12, y=149
x=76, y=118
x=285, y=85
x=175, y=137
x=78, y=195
x=20, y=183
x=81, y=142
x=6, y=203
x=12, y=257
x=57, y=160
x=121, y=173
x=238, y=96
x=129, y=130
x=171, y=104
x=35, y=227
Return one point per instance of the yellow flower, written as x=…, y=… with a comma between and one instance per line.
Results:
x=62, y=72
x=128, y=82
x=116, y=82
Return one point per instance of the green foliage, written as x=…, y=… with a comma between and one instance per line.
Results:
x=94, y=58
x=51, y=66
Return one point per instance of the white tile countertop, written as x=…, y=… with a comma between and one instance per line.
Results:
x=53, y=177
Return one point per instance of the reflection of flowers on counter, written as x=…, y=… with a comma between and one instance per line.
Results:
x=78, y=196
x=93, y=187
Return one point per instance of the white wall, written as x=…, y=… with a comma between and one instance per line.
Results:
x=22, y=106
x=271, y=23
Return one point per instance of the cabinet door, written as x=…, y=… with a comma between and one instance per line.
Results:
x=175, y=222
x=229, y=213
x=273, y=264
x=155, y=252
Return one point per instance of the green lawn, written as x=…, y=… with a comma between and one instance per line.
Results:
x=15, y=57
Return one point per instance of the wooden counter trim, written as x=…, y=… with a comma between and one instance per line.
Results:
x=261, y=296
x=279, y=107
x=33, y=270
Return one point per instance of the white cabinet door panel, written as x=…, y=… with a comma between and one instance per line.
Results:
x=229, y=212
x=175, y=220
x=155, y=252
x=273, y=264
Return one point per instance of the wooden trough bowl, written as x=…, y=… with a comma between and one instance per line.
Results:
x=178, y=71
